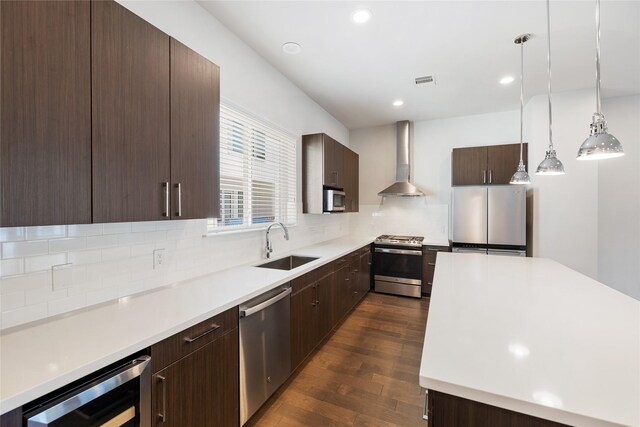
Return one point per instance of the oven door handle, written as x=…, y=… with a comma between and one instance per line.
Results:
x=398, y=251
x=104, y=385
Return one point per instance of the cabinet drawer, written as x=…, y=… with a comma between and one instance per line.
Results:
x=325, y=270
x=183, y=343
x=301, y=282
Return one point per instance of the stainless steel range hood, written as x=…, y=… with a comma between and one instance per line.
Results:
x=402, y=187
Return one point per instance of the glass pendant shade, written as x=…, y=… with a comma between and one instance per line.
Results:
x=550, y=165
x=600, y=144
x=521, y=176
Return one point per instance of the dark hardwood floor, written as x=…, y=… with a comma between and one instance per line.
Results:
x=365, y=374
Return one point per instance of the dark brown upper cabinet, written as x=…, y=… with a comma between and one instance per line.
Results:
x=487, y=165
x=131, y=116
x=350, y=161
x=195, y=134
x=156, y=120
x=333, y=153
x=45, y=138
x=327, y=163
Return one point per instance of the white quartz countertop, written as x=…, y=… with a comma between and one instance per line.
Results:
x=38, y=359
x=533, y=336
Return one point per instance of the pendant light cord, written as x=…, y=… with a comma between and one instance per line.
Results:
x=549, y=72
x=521, y=95
x=598, y=107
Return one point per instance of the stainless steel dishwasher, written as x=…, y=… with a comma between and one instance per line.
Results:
x=265, y=348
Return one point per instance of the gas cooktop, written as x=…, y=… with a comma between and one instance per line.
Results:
x=386, y=239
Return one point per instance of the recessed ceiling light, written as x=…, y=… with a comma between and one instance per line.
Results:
x=398, y=102
x=506, y=80
x=361, y=16
x=292, y=48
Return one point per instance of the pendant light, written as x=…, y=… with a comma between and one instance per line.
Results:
x=600, y=144
x=551, y=165
x=521, y=176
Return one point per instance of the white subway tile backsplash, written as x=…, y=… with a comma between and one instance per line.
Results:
x=43, y=262
x=66, y=245
x=84, y=257
x=84, y=230
x=23, y=315
x=94, y=242
x=43, y=294
x=130, y=238
x=64, y=305
x=110, y=261
x=12, y=301
x=143, y=249
x=46, y=232
x=130, y=288
x=11, y=267
x=12, y=234
x=25, y=282
x=24, y=249
x=116, y=228
x=117, y=253
x=155, y=236
x=85, y=287
x=101, y=295
x=138, y=227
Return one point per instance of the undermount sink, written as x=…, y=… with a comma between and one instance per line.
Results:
x=287, y=263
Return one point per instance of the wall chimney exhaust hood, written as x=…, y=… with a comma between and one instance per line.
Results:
x=402, y=187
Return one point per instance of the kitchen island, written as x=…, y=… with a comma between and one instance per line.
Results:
x=508, y=336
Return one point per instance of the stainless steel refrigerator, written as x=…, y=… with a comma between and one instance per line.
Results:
x=490, y=220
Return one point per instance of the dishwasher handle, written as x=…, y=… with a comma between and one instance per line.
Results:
x=259, y=307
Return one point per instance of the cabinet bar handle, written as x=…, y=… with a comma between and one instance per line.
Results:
x=484, y=176
x=163, y=416
x=214, y=327
x=432, y=263
x=317, y=296
x=490, y=176
x=165, y=185
x=179, y=187
x=425, y=411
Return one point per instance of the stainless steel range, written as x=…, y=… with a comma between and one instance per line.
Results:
x=397, y=265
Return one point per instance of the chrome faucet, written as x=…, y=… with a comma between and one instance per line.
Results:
x=269, y=248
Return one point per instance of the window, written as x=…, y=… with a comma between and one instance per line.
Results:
x=257, y=173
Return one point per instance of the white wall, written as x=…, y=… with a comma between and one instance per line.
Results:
x=565, y=211
x=619, y=200
x=577, y=219
x=109, y=261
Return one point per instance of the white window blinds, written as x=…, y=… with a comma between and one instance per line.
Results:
x=257, y=173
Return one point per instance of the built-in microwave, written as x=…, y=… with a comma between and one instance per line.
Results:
x=333, y=200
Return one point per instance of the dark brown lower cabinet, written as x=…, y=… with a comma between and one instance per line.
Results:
x=201, y=389
x=446, y=410
x=429, y=256
x=302, y=324
x=11, y=418
x=364, y=284
x=321, y=299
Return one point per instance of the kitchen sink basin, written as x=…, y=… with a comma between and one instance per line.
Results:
x=287, y=263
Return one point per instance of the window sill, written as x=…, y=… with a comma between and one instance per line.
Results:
x=212, y=233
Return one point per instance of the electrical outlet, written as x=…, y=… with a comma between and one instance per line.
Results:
x=158, y=258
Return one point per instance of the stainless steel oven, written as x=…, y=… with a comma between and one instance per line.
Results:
x=333, y=200
x=116, y=396
x=397, y=265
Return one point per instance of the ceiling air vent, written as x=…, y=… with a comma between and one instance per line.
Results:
x=425, y=80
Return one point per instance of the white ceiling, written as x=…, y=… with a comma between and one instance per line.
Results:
x=356, y=71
